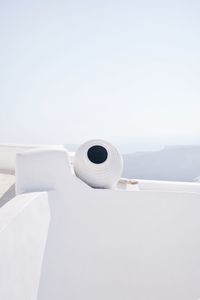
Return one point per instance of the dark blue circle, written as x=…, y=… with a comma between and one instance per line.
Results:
x=97, y=154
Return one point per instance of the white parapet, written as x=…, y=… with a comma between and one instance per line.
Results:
x=169, y=186
x=24, y=225
x=44, y=170
x=8, y=154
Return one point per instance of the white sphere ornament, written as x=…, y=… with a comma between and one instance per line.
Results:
x=98, y=163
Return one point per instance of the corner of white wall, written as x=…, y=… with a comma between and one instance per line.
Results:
x=41, y=170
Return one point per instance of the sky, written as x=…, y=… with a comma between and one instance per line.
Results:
x=124, y=71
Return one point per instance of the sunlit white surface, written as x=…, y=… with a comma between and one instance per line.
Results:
x=115, y=244
x=24, y=225
x=123, y=243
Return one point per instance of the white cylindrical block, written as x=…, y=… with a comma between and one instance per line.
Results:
x=98, y=163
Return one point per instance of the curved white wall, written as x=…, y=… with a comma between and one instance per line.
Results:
x=24, y=225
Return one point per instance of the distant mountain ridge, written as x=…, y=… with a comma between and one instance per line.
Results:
x=176, y=163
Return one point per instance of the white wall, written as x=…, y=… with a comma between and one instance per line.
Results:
x=105, y=244
x=8, y=154
x=169, y=186
x=122, y=245
x=24, y=225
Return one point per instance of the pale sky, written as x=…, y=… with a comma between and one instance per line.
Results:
x=125, y=71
